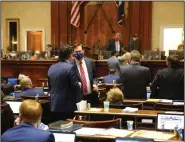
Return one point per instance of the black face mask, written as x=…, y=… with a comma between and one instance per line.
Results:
x=79, y=55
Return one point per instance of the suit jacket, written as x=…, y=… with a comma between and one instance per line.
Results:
x=7, y=117
x=168, y=84
x=113, y=63
x=109, y=78
x=134, y=80
x=112, y=47
x=30, y=92
x=26, y=132
x=133, y=45
x=90, y=69
x=64, y=87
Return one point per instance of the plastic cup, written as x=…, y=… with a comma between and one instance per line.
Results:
x=130, y=125
x=106, y=105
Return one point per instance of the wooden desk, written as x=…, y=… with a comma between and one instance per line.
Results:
x=112, y=138
x=119, y=112
x=39, y=68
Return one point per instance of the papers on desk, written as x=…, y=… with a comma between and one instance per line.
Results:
x=130, y=109
x=104, y=132
x=88, y=131
x=14, y=106
x=174, y=112
x=159, y=100
x=153, y=135
x=115, y=132
x=95, y=109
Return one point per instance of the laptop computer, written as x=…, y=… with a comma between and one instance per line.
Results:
x=168, y=121
x=13, y=81
x=119, y=139
x=14, y=105
x=64, y=136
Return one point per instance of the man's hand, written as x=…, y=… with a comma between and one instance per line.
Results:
x=95, y=88
x=16, y=122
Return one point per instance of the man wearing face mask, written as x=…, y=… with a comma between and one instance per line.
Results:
x=63, y=85
x=30, y=113
x=86, y=73
x=116, y=44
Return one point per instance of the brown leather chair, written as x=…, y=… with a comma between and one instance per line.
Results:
x=115, y=123
x=168, y=107
x=127, y=104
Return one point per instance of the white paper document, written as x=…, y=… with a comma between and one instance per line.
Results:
x=95, y=109
x=153, y=135
x=88, y=131
x=115, y=132
x=14, y=106
x=130, y=109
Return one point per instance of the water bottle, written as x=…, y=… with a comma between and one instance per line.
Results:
x=37, y=97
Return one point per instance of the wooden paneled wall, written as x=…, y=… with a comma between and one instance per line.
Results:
x=139, y=21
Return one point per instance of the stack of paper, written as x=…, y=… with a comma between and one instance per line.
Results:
x=153, y=135
x=115, y=132
x=95, y=109
x=130, y=109
x=88, y=131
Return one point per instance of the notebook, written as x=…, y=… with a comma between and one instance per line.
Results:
x=167, y=122
x=64, y=136
x=118, y=139
x=56, y=126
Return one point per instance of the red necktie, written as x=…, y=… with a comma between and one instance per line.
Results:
x=83, y=78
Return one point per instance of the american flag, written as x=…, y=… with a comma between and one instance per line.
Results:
x=75, y=13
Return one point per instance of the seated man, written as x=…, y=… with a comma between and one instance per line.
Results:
x=169, y=83
x=113, y=62
x=27, y=90
x=7, y=117
x=30, y=116
x=112, y=76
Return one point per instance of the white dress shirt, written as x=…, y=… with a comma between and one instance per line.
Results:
x=89, y=91
x=117, y=45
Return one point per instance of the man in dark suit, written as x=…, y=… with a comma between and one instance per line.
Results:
x=135, y=78
x=113, y=62
x=134, y=43
x=27, y=131
x=112, y=76
x=169, y=83
x=86, y=74
x=116, y=44
x=63, y=85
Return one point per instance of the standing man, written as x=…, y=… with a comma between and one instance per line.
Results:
x=63, y=85
x=116, y=44
x=134, y=43
x=86, y=74
x=169, y=82
x=135, y=78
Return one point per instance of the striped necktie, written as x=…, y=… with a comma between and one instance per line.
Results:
x=83, y=78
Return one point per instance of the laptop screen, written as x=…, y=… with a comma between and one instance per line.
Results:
x=64, y=137
x=14, y=105
x=134, y=140
x=170, y=121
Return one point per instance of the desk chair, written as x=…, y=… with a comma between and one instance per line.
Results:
x=168, y=107
x=127, y=104
x=115, y=123
x=33, y=97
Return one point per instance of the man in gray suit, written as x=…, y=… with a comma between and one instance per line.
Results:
x=135, y=78
x=87, y=75
x=113, y=62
